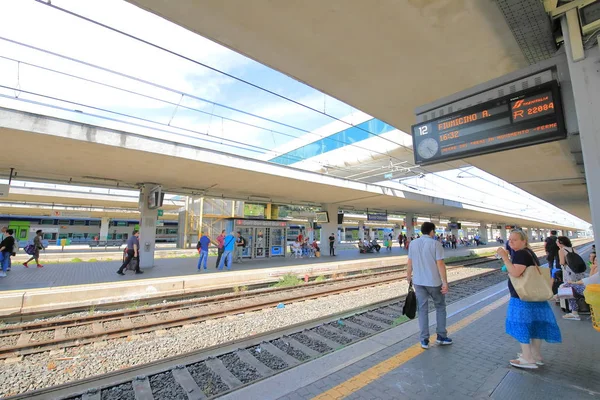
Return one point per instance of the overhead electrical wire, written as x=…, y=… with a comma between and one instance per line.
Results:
x=192, y=96
x=174, y=53
x=237, y=144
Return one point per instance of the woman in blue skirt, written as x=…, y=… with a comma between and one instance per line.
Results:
x=528, y=322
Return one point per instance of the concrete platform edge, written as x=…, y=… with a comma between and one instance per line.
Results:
x=48, y=299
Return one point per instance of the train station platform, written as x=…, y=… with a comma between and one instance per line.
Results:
x=392, y=365
x=75, y=284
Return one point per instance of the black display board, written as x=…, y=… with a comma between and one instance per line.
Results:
x=521, y=119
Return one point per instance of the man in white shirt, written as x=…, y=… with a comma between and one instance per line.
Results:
x=427, y=271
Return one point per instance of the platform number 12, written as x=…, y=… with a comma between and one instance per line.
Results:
x=423, y=130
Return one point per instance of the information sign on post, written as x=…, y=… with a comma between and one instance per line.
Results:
x=161, y=212
x=524, y=118
x=377, y=217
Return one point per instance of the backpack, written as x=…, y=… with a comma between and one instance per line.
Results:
x=575, y=262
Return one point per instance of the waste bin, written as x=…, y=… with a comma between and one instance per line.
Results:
x=592, y=297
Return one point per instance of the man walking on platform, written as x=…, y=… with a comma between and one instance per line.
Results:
x=220, y=244
x=37, y=246
x=133, y=248
x=427, y=271
x=551, y=248
x=331, y=245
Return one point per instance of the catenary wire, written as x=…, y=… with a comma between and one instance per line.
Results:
x=191, y=108
x=174, y=53
x=252, y=148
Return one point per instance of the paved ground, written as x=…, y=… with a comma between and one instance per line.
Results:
x=475, y=366
x=66, y=274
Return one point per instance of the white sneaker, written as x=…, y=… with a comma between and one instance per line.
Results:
x=2, y=274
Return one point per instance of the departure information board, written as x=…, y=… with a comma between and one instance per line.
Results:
x=524, y=118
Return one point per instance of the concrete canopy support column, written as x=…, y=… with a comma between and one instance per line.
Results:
x=361, y=231
x=148, y=220
x=181, y=221
x=409, y=221
x=483, y=232
x=331, y=227
x=585, y=80
x=454, y=231
x=503, y=233
x=104, y=224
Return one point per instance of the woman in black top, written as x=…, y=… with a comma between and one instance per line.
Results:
x=527, y=321
x=6, y=249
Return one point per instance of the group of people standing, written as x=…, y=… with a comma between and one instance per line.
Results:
x=9, y=246
x=230, y=249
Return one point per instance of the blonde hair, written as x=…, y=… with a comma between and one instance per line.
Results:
x=523, y=236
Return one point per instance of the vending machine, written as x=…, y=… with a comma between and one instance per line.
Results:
x=265, y=238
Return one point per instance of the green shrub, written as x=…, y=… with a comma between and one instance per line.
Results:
x=320, y=278
x=288, y=280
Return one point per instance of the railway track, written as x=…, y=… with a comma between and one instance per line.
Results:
x=215, y=371
x=31, y=338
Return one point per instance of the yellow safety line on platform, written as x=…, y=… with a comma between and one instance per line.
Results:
x=364, y=378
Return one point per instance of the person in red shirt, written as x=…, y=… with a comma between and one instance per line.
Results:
x=220, y=244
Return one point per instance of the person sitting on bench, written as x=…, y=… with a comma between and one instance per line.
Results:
x=578, y=288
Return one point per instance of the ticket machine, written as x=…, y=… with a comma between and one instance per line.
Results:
x=265, y=238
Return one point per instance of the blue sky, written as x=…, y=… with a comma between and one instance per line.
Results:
x=41, y=26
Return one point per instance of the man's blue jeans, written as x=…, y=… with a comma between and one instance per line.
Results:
x=5, y=260
x=227, y=256
x=439, y=300
x=203, y=260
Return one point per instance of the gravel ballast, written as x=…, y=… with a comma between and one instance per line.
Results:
x=164, y=387
x=121, y=392
x=209, y=382
x=239, y=369
x=275, y=363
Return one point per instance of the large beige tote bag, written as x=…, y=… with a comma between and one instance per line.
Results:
x=535, y=284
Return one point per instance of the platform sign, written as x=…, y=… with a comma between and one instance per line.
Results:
x=521, y=119
x=161, y=212
x=377, y=217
